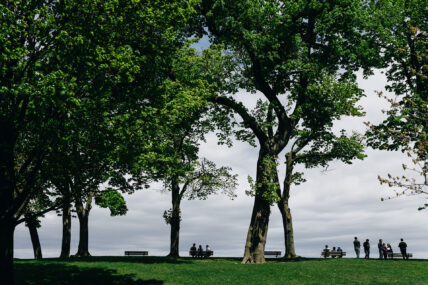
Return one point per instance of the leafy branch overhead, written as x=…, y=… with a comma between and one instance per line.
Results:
x=404, y=41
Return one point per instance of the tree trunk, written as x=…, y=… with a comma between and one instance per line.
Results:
x=7, y=200
x=83, y=249
x=37, y=249
x=83, y=215
x=285, y=210
x=175, y=220
x=287, y=223
x=6, y=252
x=66, y=229
x=258, y=229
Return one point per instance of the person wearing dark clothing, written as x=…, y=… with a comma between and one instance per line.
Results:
x=379, y=246
x=193, y=250
x=366, y=246
x=333, y=250
x=326, y=251
x=403, y=249
x=357, y=247
x=200, y=251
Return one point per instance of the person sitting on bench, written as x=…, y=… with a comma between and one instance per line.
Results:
x=207, y=251
x=389, y=249
x=193, y=250
x=333, y=250
x=200, y=251
x=325, y=251
x=384, y=251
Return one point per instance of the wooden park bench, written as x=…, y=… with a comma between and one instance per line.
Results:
x=397, y=255
x=197, y=253
x=333, y=254
x=129, y=253
x=272, y=252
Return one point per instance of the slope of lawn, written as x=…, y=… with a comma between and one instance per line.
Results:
x=162, y=270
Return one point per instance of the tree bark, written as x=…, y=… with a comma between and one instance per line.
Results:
x=6, y=252
x=83, y=215
x=258, y=229
x=7, y=199
x=66, y=229
x=37, y=249
x=175, y=220
x=287, y=223
x=285, y=210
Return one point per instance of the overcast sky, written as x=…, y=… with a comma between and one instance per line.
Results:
x=330, y=208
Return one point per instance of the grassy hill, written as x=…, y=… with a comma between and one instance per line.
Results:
x=162, y=270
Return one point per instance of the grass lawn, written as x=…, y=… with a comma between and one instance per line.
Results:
x=162, y=270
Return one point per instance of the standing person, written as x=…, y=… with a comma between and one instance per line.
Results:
x=366, y=246
x=379, y=246
x=403, y=249
x=357, y=246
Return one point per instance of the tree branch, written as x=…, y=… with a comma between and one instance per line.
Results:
x=243, y=112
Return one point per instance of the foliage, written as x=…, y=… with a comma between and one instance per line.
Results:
x=403, y=38
x=113, y=200
x=301, y=56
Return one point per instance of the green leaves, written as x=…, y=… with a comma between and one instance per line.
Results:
x=112, y=200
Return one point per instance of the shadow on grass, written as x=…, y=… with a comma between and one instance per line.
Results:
x=54, y=273
x=128, y=259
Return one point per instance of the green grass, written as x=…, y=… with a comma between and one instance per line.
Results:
x=162, y=270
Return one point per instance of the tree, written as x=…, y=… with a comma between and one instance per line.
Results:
x=174, y=159
x=400, y=29
x=290, y=52
x=47, y=46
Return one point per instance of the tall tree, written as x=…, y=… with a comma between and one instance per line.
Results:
x=43, y=44
x=401, y=30
x=289, y=52
x=174, y=159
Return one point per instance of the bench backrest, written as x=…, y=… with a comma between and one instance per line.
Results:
x=271, y=252
x=136, y=253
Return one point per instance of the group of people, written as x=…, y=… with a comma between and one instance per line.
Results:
x=199, y=252
x=334, y=249
x=333, y=252
x=384, y=249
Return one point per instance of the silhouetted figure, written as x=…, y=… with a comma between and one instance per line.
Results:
x=357, y=246
x=200, y=251
x=325, y=251
x=193, y=250
x=333, y=249
x=366, y=246
x=379, y=246
x=339, y=249
x=403, y=249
